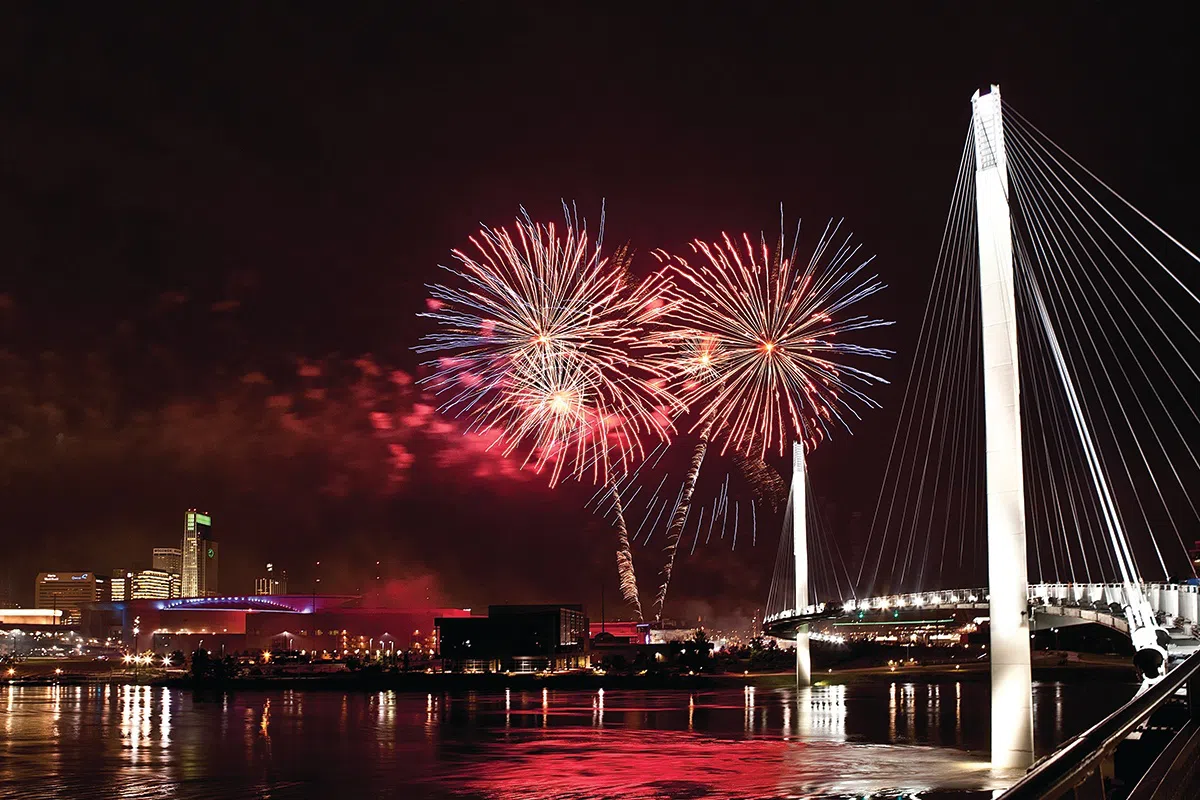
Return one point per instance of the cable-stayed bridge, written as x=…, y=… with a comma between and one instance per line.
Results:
x=1044, y=449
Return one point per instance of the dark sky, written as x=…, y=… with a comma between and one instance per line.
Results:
x=217, y=221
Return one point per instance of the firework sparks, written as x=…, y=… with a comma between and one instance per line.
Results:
x=758, y=339
x=545, y=343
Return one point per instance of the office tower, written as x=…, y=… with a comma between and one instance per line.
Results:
x=209, y=559
x=199, y=555
x=272, y=583
x=168, y=559
x=65, y=591
x=121, y=585
x=152, y=584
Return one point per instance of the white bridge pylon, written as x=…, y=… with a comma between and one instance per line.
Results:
x=800, y=551
x=1011, y=670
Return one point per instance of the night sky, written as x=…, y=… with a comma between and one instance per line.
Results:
x=217, y=223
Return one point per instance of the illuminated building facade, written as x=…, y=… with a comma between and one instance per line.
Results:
x=338, y=626
x=67, y=591
x=120, y=585
x=627, y=632
x=199, y=556
x=153, y=584
x=168, y=559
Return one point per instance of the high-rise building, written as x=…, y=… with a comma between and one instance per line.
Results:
x=208, y=572
x=272, y=583
x=199, y=556
x=152, y=584
x=168, y=559
x=66, y=591
x=121, y=585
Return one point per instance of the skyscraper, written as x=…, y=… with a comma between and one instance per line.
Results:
x=208, y=569
x=199, y=556
x=168, y=559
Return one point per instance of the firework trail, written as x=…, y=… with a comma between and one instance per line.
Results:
x=767, y=484
x=679, y=519
x=755, y=343
x=628, y=578
x=544, y=344
x=765, y=480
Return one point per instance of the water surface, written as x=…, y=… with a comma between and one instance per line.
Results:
x=885, y=739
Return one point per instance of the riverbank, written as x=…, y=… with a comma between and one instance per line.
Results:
x=1047, y=667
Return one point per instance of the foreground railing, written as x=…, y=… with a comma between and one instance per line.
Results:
x=1084, y=764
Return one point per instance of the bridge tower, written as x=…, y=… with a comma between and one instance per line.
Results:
x=800, y=551
x=1008, y=582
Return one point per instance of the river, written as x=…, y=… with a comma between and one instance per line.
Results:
x=885, y=739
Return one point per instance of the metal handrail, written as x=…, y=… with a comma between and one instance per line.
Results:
x=1072, y=763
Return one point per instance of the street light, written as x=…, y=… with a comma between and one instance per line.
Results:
x=136, y=660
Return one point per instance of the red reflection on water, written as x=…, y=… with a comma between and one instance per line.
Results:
x=673, y=764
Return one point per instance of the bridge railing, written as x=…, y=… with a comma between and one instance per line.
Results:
x=1082, y=764
x=1177, y=601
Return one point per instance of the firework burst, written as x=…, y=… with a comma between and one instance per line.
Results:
x=546, y=345
x=754, y=339
x=758, y=339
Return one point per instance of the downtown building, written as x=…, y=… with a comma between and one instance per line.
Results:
x=154, y=584
x=69, y=592
x=199, y=556
x=271, y=583
x=121, y=585
x=521, y=638
x=167, y=559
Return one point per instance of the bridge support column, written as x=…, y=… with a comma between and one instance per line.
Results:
x=800, y=550
x=1008, y=581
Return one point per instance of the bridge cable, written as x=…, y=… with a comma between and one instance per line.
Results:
x=1056, y=255
x=935, y=338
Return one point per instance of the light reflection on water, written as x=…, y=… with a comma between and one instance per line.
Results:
x=899, y=738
